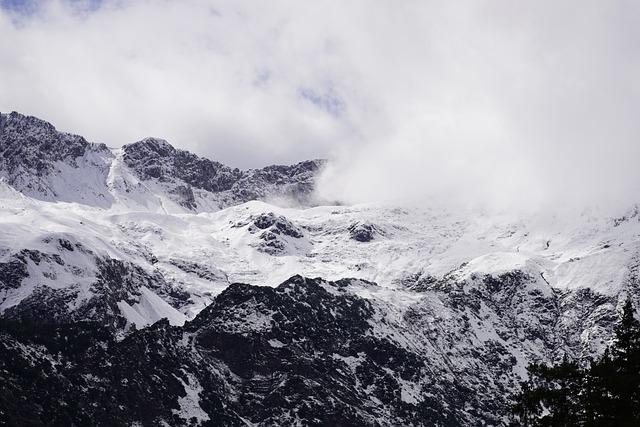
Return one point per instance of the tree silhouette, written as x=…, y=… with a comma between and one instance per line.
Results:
x=607, y=393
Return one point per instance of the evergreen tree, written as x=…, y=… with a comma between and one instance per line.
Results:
x=551, y=397
x=624, y=384
x=605, y=394
x=598, y=397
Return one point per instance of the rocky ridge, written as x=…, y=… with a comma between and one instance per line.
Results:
x=308, y=352
x=155, y=159
x=50, y=165
x=119, y=309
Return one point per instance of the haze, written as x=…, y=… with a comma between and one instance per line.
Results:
x=498, y=103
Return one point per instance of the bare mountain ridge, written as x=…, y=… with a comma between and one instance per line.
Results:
x=47, y=164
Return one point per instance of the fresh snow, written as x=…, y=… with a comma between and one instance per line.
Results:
x=190, y=403
x=150, y=309
x=276, y=343
x=590, y=253
x=202, y=253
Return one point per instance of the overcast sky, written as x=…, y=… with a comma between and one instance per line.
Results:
x=527, y=103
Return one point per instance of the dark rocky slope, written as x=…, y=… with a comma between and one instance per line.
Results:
x=303, y=353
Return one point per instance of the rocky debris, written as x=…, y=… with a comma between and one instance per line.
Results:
x=272, y=244
x=632, y=213
x=265, y=220
x=418, y=281
x=364, y=232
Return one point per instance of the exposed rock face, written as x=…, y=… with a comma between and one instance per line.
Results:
x=12, y=273
x=309, y=352
x=278, y=225
x=47, y=164
x=31, y=143
x=303, y=353
x=43, y=163
x=156, y=159
x=185, y=196
x=363, y=232
x=295, y=182
x=50, y=288
x=277, y=233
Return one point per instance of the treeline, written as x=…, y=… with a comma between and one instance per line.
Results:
x=607, y=393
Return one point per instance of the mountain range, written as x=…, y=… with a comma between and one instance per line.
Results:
x=145, y=285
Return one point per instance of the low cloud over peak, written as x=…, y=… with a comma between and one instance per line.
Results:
x=490, y=102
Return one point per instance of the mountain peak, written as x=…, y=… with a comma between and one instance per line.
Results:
x=30, y=148
x=15, y=118
x=156, y=145
x=47, y=164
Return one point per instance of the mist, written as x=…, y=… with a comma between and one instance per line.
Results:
x=494, y=103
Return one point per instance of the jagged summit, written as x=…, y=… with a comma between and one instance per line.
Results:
x=154, y=158
x=46, y=164
x=150, y=174
x=197, y=178
x=29, y=142
x=151, y=143
x=26, y=126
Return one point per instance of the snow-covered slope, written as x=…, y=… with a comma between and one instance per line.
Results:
x=453, y=304
x=259, y=243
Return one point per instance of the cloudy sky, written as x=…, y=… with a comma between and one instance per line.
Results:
x=528, y=103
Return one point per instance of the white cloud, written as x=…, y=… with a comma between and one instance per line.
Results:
x=508, y=103
x=224, y=79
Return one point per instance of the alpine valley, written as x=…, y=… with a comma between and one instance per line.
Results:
x=146, y=286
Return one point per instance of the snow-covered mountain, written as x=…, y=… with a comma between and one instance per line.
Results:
x=146, y=285
x=150, y=175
